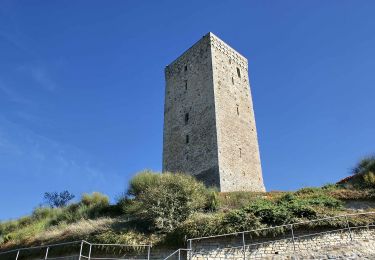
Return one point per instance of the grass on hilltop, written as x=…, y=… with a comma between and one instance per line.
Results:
x=165, y=209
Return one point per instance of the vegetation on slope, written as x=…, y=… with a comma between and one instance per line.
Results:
x=165, y=209
x=363, y=175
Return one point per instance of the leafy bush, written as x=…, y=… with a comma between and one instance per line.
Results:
x=95, y=199
x=139, y=183
x=290, y=207
x=324, y=200
x=44, y=213
x=239, y=220
x=269, y=212
x=165, y=200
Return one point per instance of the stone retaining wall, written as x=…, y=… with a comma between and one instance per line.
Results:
x=359, y=244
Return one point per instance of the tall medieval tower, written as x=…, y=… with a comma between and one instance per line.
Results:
x=209, y=123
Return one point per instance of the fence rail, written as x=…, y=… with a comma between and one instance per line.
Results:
x=293, y=227
x=81, y=255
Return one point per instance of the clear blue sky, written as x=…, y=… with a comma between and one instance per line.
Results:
x=82, y=89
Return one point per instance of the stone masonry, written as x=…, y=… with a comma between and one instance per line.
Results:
x=330, y=245
x=209, y=123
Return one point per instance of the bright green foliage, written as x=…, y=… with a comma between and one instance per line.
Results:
x=269, y=212
x=291, y=207
x=140, y=182
x=165, y=200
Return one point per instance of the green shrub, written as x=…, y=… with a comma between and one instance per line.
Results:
x=306, y=203
x=308, y=191
x=7, y=227
x=24, y=221
x=140, y=182
x=324, y=200
x=213, y=201
x=165, y=200
x=43, y=213
x=270, y=213
x=369, y=179
x=237, y=199
x=364, y=166
x=95, y=199
x=301, y=209
x=239, y=220
x=363, y=175
x=330, y=186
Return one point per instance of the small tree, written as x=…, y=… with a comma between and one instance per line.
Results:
x=57, y=200
x=364, y=173
x=366, y=165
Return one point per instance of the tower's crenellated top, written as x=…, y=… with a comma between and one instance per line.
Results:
x=231, y=53
x=214, y=41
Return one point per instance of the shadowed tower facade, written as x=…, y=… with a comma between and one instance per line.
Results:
x=209, y=123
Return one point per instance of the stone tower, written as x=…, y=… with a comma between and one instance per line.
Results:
x=209, y=124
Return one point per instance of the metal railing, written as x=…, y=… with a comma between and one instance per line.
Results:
x=81, y=248
x=181, y=253
x=292, y=228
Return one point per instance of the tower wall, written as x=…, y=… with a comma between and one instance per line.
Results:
x=209, y=125
x=238, y=152
x=189, y=90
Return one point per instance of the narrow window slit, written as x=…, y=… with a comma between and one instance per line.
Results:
x=186, y=118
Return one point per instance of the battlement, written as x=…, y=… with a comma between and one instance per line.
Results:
x=224, y=48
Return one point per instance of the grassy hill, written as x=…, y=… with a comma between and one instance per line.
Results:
x=165, y=209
